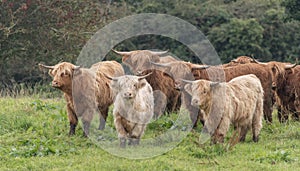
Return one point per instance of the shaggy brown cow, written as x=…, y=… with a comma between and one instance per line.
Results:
x=289, y=95
x=85, y=90
x=218, y=73
x=133, y=107
x=182, y=70
x=164, y=93
x=279, y=74
x=240, y=102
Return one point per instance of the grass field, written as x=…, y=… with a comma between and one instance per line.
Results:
x=34, y=136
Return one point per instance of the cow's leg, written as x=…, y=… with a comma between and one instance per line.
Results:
x=222, y=129
x=160, y=102
x=175, y=102
x=268, y=109
x=120, y=129
x=86, y=121
x=195, y=113
x=103, y=115
x=257, y=121
x=72, y=119
x=243, y=133
x=136, y=134
x=282, y=114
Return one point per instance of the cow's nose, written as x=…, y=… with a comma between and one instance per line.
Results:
x=54, y=83
x=128, y=94
x=195, y=102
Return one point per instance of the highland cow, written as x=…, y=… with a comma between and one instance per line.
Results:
x=133, y=107
x=86, y=91
x=240, y=102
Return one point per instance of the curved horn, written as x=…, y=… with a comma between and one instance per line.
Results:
x=254, y=60
x=195, y=66
x=289, y=66
x=234, y=60
x=111, y=78
x=144, y=76
x=159, y=53
x=76, y=67
x=46, y=66
x=121, y=53
x=187, y=81
x=161, y=64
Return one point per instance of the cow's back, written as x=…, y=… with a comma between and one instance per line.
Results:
x=110, y=68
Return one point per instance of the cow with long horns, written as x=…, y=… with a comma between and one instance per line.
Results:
x=219, y=73
x=133, y=107
x=238, y=102
x=166, y=98
x=183, y=70
x=280, y=72
x=86, y=91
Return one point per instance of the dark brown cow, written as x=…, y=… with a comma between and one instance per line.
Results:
x=162, y=84
x=85, y=90
x=289, y=95
x=218, y=73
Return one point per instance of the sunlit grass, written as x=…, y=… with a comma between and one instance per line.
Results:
x=34, y=136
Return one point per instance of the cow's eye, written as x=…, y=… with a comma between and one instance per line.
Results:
x=135, y=85
x=204, y=92
x=62, y=74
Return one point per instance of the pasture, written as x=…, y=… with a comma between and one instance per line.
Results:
x=34, y=136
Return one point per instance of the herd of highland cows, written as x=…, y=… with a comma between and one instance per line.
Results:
x=240, y=93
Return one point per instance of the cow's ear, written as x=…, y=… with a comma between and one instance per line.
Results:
x=125, y=58
x=188, y=88
x=50, y=72
x=142, y=83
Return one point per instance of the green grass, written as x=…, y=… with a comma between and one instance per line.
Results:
x=34, y=136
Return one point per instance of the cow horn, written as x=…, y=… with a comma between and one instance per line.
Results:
x=159, y=53
x=254, y=60
x=161, y=64
x=111, y=78
x=76, y=67
x=121, y=53
x=144, y=76
x=289, y=66
x=195, y=66
x=187, y=81
x=234, y=60
x=46, y=66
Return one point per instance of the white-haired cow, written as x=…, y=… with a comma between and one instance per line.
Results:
x=133, y=107
x=239, y=101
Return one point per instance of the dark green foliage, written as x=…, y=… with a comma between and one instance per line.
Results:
x=52, y=31
x=292, y=9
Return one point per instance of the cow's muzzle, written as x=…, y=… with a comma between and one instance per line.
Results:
x=195, y=102
x=55, y=84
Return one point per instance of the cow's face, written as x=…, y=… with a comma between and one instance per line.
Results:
x=243, y=60
x=62, y=75
x=127, y=86
x=139, y=60
x=200, y=92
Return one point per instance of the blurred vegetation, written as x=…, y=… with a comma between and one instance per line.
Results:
x=34, y=31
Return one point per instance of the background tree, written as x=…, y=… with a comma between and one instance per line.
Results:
x=33, y=31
